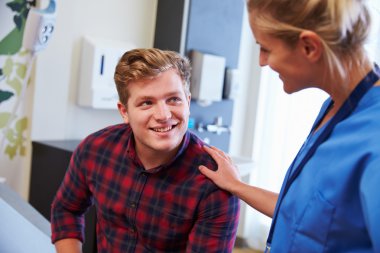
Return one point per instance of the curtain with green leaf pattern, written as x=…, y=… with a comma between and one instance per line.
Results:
x=15, y=93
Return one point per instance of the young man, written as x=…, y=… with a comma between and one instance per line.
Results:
x=142, y=175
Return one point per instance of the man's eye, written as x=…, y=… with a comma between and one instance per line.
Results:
x=146, y=103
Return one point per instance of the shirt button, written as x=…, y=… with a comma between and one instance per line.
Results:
x=132, y=230
x=133, y=205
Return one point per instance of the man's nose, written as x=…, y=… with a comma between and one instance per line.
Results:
x=162, y=112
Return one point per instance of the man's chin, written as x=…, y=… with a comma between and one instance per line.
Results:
x=165, y=148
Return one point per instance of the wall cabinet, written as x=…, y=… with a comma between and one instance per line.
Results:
x=209, y=26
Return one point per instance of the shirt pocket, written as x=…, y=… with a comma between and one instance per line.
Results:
x=313, y=228
x=168, y=232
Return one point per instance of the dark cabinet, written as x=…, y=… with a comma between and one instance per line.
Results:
x=50, y=160
x=209, y=26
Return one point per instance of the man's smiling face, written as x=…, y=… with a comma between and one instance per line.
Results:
x=157, y=110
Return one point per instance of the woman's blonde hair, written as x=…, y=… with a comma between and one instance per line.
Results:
x=140, y=64
x=342, y=25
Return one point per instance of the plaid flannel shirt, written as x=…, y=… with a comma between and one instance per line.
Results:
x=171, y=208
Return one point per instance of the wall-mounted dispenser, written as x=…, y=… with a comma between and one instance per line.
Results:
x=207, y=76
x=98, y=61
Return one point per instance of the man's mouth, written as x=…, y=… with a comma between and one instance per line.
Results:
x=163, y=129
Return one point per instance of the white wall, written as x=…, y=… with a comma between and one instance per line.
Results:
x=245, y=104
x=55, y=112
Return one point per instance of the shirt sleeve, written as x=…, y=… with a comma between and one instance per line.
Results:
x=71, y=202
x=370, y=199
x=216, y=224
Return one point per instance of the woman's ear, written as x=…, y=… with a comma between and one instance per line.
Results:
x=311, y=45
x=123, y=112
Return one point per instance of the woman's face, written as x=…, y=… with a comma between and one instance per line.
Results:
x=293, y=67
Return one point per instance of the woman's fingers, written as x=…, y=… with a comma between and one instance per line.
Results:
x=207, y=172
x=218, y=155
x=226, y=174
x=215, y=153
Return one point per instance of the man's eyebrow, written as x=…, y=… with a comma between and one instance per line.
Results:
x=173, y=93
x=144, y=98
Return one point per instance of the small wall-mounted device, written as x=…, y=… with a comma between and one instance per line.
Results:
x=98, y=61
x=231, y=84
x=39, y=27
x=207, y=76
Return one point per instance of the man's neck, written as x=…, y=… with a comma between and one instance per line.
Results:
x=153, y=159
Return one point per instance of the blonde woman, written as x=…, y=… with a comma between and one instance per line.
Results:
x=329, y=201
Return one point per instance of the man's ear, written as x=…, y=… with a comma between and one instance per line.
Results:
x=123, y=111
x=311, y=45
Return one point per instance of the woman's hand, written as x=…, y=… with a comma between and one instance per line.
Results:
x=227, y=175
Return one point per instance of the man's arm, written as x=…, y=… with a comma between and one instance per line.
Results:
x=70, y=203
x=216, y=225
x=68, y=246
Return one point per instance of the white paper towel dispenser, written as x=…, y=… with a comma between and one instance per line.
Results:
x=98, y=61
x=207, y=76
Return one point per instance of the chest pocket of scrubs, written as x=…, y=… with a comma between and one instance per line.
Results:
x=313, y=227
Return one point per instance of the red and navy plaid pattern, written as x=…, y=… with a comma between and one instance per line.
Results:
x=171, y=208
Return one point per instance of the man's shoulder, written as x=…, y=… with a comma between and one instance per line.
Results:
x=196, y=151
x=109, y=134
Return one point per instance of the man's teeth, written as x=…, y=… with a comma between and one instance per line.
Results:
x=165, y=129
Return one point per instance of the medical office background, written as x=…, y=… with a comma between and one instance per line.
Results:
x=268, y=126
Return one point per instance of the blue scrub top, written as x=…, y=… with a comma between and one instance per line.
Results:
x=334, y=204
